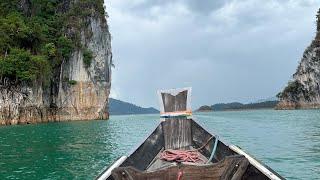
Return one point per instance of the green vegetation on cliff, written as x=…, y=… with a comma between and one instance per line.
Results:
x=37, y=35
x=21, y=65
x=87, y=57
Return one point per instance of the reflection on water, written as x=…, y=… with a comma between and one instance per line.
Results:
x=287, y=141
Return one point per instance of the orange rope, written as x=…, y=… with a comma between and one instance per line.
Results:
x=181, y=156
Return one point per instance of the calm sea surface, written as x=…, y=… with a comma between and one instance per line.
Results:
x=287, y=141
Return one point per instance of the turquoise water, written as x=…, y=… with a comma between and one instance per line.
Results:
x=287, y=141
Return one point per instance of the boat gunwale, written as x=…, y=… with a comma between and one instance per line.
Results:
x=106, y=169
x=229, y=145
x=131, y=152
x=135, y=148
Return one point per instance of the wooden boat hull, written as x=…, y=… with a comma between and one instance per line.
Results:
x=229, y=161
x=220, y=170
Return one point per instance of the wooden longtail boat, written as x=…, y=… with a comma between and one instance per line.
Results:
x=180, y=149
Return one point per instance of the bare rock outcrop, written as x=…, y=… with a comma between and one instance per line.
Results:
x=304, y=90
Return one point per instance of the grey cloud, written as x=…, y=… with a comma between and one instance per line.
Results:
x=227, y=50
x=201, y=7
x=205, y=6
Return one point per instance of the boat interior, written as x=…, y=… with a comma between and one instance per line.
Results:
x=185, y=134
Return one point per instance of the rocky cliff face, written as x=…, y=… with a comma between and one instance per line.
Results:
x=77, y=90
x=304, y=90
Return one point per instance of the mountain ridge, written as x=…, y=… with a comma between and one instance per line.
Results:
x=240, y=106
x=118, y=107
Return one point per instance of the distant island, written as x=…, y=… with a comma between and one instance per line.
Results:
x=117, y=107
x=240, y=106
x=205, y=108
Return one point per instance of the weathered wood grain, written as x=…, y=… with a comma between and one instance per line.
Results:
x=175, y=103
x=177, y=133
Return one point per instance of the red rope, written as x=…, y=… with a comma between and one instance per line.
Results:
x=180, y=156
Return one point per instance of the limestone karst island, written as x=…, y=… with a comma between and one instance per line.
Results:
x=303, y=91
x=55, y=62
x=159, y=90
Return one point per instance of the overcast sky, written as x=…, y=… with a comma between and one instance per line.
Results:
x=226, y=50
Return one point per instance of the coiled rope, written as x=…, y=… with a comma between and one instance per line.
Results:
x=180, y=156
x=187, y=155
